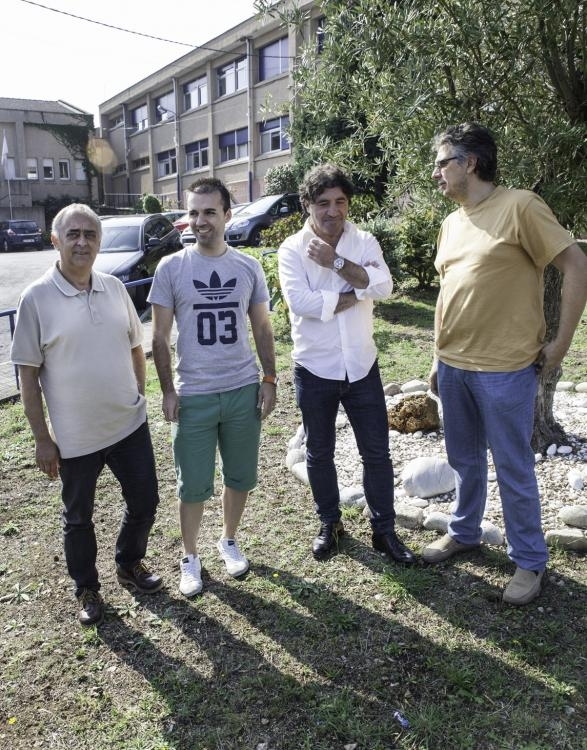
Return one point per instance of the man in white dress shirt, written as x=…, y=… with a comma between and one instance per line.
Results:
x=330, y=273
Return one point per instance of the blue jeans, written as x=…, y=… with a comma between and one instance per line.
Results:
x=364, y=403
x=495, y=410
x=132, y=462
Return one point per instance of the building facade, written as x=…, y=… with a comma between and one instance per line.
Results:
x=44, y=146
x=221, y=110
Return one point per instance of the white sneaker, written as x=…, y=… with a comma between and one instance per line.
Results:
x=191, y=575
x=236, y=563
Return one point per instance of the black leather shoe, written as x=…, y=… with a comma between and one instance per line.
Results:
x=392, y=546
x=139, y=578
x=327, y=539
x=92, y=607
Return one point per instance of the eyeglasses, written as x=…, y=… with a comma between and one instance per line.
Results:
x=443, y=162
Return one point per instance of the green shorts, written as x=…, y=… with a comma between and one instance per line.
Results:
x=229, y=421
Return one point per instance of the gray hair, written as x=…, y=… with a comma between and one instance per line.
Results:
x=75, y=209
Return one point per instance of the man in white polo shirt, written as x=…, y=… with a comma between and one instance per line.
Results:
x=77, y=344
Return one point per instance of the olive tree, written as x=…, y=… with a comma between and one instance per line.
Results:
x=391, y=74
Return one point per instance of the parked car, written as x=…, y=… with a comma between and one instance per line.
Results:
x=182, y=222
x=174, y=216
x=131, y=248
x=245, y=228
x=187, y=236
x=20, y=233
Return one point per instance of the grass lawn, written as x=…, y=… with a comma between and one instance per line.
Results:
x=298, y=654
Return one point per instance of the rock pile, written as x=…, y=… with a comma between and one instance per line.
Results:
x=424, y=488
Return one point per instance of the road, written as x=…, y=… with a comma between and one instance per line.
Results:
x=17, y=270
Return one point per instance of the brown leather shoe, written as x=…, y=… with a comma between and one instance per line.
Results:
x=92, y=608
x=139, y=578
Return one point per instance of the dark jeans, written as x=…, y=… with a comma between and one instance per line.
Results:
x=132, y=462
x=364, y=403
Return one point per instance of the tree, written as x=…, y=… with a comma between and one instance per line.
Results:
x=391, y=74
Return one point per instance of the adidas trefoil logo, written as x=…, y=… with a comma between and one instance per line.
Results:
x=215, y=290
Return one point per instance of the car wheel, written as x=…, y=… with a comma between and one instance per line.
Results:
x=141, y=294
x=5, y=246
x=255, y=238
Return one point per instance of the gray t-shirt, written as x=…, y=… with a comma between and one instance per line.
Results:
x=210, y=297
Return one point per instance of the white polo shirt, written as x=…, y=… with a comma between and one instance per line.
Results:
x=82, y=342
x=328, y=345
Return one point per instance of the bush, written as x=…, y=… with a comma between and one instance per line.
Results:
x=363, y=207
x=416, y=231
x=274, y=235
x=384, y=231
x=151, y=204
x=280, y=179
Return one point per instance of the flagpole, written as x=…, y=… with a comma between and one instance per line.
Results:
x=9, y=198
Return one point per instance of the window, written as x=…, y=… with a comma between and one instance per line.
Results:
x=234, y=145
x=196, y=154
x=320, y=34
x=232, y=77
x=165, y=107
x=140, y=118
x=116, y=121
x=63, y=169
x=80, y=170
x=48, y=173
x=32, y=172
x=139, y=163
x=273, y=59
x=195, y=93
x=166, y=163
x=273, y=136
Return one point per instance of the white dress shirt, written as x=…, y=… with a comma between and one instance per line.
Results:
x=328, y=345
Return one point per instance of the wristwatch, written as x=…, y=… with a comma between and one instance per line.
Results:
x=338, y=264
x=273, y=379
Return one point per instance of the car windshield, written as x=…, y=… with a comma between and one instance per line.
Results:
x=24, y=226
x=258, y=207
x=119, y=239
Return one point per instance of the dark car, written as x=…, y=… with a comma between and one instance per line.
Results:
x=20, y=233
x=131, y=248
x=245, y=228
x=187, y=236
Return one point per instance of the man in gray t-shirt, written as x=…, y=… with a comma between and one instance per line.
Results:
x=215, y=401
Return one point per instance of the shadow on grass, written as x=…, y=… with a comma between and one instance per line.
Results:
x=290, y=662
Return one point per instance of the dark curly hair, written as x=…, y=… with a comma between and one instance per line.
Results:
x=322, y=177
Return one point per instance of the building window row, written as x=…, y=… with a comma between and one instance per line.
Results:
x=48, y=169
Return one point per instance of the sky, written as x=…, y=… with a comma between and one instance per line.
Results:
x=50, y=55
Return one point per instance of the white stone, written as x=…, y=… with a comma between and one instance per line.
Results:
x=564, y=450
x=538, y=457
x=491, y=534
x=551, y=450
x=408, y=517
x=436, y=521
x=392, y=389
x=414, y=386
x=341, y=421
x=575, y=479
x=565, y=385
x=574, y=515
x=491, y=476
x=298, y=439
x=417, y=434
x=581, y=388
x=295, y=456
x=350, y=495
x=300, y=472
x=417, y=502
x=567, y=538
x=428, y=476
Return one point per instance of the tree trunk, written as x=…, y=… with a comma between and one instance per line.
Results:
x=546, y=429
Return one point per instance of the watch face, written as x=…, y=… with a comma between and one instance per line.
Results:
x=338, y=263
